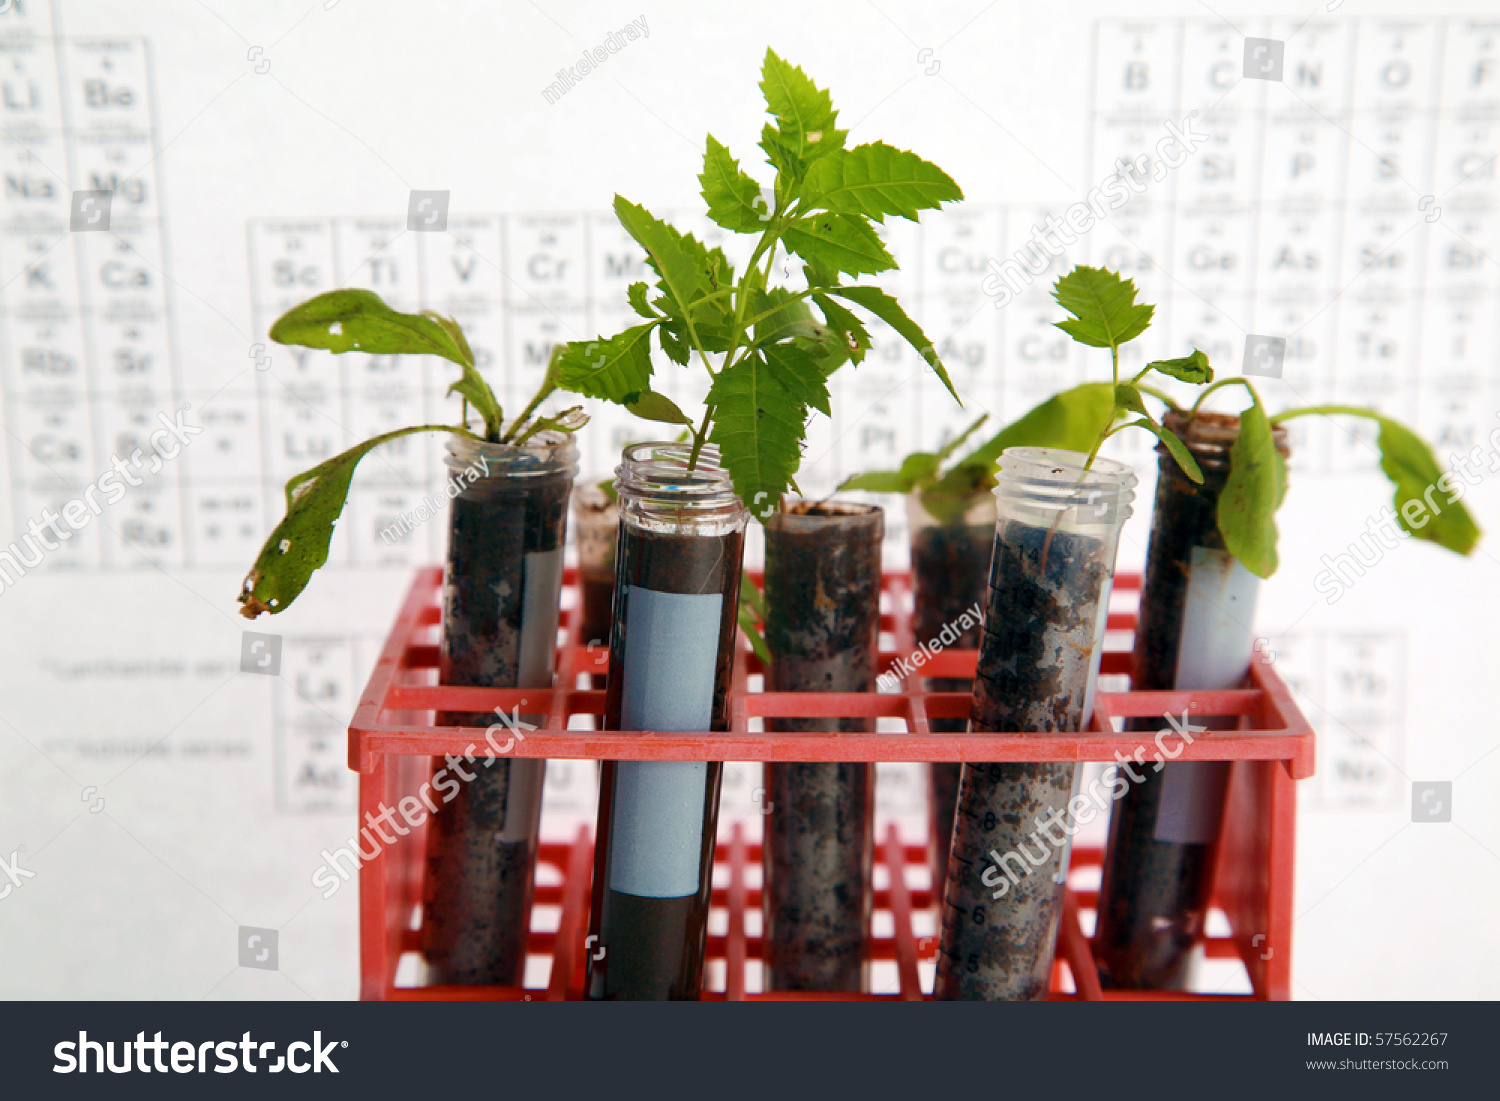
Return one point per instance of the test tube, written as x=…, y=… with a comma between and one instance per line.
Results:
x=500, y=613
x=1050, y=580
x=677, y=584
x=822, y=628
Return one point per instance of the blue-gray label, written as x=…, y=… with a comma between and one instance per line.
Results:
x=671, y=649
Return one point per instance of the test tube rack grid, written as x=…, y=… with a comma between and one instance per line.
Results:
x=392, y=738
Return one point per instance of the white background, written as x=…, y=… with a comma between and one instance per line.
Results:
x=250, y=127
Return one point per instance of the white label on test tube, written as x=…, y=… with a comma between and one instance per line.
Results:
x=1218, y=614
x=541, y=590
x=656, y=829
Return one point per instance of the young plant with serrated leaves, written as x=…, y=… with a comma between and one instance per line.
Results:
x=359, y=321
x=1257, y=482
x=1105, y=315
x=766, y=354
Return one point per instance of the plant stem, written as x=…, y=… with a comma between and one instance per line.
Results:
x=1327, y=411
x=1212, y=386
x=698, y=437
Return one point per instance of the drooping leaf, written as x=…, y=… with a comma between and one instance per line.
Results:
x=673, y=342
x=636, y=294
x=1252, y=494
x=840, y=242
x=569, y=420
x=758, y=428
x=1193, y=368
x=608, y=368
x=1175, y=447
x=889, y=310
x=1129, y=398
x=804, y=112
x=874, y=180
x=352, y=320
x=652, y=406
x=1105, y=312
x=299, y=544
x=1413, y=469
x=733, y=196
x=799, y=375
x=356, y=320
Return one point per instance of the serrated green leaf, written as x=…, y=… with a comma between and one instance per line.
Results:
x=672, y=342
x=842, y=242
x=758, y=428
x=636, y=294
x=785, y=316
x=889, y=310
x=651, y=406
x=874, y=180
x=569, y=420
x=1193, y=369
x=299, y=544
x=608, y=368
x=845, y=326
x=782, y=157
x=1252, y=494
x=1413, y=470
x=733, y=196
x=1104, y=309
x=455, y=334
x=677, y=258
x=799, y=375
x=1128, y=397
x=804, y=112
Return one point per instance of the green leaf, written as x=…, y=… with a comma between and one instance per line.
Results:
x=804, y=112
x=677, y=258
x=916, y=468
x=652, y=406
x=958, y=441
x=299, y=544
x=354, y=320
x=635, y=294
x=1128, y=397
x=799, y=375
x=570, y=420
x=785, y=316
x=1177, y=449
x=841, y=242
x=750, y=624
x=358, y=320
x=1104, y=309
x=758, y=428
x=673, y=343
x=1070, y=421
x=877, y=481
x=750, y=596
x=1193, y=368
x=845, y=326
x=782, y=157
x=1252, y=494
x=733, y=196
x=608, y=368
x=1413, y=469
x=876, y=179
x=889, y=310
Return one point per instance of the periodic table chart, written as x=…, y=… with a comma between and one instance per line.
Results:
x=1348, y=208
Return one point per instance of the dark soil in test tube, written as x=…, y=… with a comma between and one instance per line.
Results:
x=651, y=948
x=477, y=894
x=1155, y=892
x=822, y=628
x=1034, y=669
x=950, y=565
